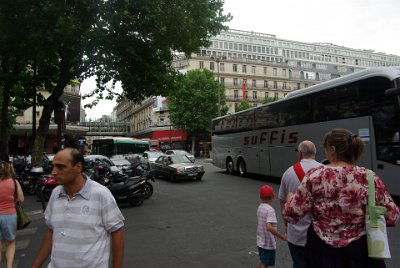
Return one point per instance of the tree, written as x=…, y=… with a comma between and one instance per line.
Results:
x=130, y=41
x=243, y=105
x=269, y=99
x=194, y=103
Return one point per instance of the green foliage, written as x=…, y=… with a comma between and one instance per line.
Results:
x=243, y=105
x=47, y=44
x=194, y=103
x=270, y=99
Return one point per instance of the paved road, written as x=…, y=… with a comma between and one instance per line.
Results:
x=210, y=223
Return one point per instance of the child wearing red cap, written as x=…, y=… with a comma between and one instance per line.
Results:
x=266, y=228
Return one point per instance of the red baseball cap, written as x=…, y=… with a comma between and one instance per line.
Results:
x=266, y=192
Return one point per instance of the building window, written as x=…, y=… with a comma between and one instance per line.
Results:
x=222, y=66
x=275, y=72
x=201, y=64
x=211, y=65
x=222, y=80
x=284, y=85
x=255, y=95
x=244, y=69
x=266, y=94
x=236, y=94
x=265, y=84
x=275, y=84
x=253, y=69
x=234, y=68
x=254, y=83
x=276, y=96
x=235, y=81
x=265, y=70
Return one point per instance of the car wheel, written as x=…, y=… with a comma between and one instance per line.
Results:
x=242, y=167
x=229, y=166
x=199, y=178
x=172, y=176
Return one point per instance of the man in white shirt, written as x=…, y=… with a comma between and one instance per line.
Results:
x=297, y=233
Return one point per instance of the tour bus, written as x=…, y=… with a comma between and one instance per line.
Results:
x=262, y=140
x=114, y=146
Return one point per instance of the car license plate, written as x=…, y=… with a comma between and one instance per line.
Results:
x=193, y=174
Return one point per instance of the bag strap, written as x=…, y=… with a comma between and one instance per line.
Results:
x=15, y=191
x=371, y=188
x=298, y=169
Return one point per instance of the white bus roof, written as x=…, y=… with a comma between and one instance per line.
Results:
x=389, y=72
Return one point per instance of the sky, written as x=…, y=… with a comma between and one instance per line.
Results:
x=360, y=24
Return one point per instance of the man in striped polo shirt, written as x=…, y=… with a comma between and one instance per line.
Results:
x=81, y=216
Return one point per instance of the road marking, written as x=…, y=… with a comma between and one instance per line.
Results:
x=252, y=253
x=27, y=231
x=34, y=212
x=22, y=244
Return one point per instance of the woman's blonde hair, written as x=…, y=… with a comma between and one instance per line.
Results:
x=348, y=147
x=5, y=171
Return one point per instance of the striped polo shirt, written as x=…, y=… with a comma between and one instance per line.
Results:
x=266, y=214
x=82, y=226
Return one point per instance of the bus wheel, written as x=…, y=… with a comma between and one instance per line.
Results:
x=229, y=166
x=242, y=167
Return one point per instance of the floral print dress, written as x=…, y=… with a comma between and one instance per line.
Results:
x=336, y=198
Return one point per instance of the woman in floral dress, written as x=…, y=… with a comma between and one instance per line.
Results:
x=336, y=196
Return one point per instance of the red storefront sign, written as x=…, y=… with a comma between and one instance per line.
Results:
x=169, y=135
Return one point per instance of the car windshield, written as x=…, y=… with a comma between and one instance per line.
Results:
x=121, y=161
x=176, y=159
x=154, y=154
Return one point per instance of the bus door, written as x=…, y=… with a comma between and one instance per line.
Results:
x=264, y=160
x=386, y=149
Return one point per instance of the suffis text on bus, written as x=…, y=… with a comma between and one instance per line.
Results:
x=272, y=137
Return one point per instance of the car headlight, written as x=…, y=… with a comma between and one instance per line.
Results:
x=179, y=170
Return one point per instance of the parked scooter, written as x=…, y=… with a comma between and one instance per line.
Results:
x=132, y=190
x=47, y=186
x=125, y=189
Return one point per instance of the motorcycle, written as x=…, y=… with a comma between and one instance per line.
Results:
x=47, y=186
x=125, y=189
x=132, y=190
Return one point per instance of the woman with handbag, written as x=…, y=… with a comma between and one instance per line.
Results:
x=336, y=195
x=8, y=216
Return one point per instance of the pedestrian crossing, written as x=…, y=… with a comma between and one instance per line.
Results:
x=26, y=240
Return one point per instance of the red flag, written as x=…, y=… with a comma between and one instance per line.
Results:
x=244, y=91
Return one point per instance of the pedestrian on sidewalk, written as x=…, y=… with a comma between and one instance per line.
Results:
x=266, y=228
x=9, y=195
x=336, y=196
x=83, y=219
x=297, y=232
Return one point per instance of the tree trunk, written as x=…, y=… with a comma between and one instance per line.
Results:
x=5, y=129
x=44, y=121
x=193, y=144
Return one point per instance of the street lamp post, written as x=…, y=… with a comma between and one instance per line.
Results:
x=218, y=60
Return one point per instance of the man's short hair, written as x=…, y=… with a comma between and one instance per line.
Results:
x=307, y=148
x=76, y=157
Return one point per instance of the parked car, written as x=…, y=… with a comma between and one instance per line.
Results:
x=149, y=157
x=180, y=152
x=177, y=167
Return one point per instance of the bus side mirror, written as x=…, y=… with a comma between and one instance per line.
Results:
x=392, y=91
